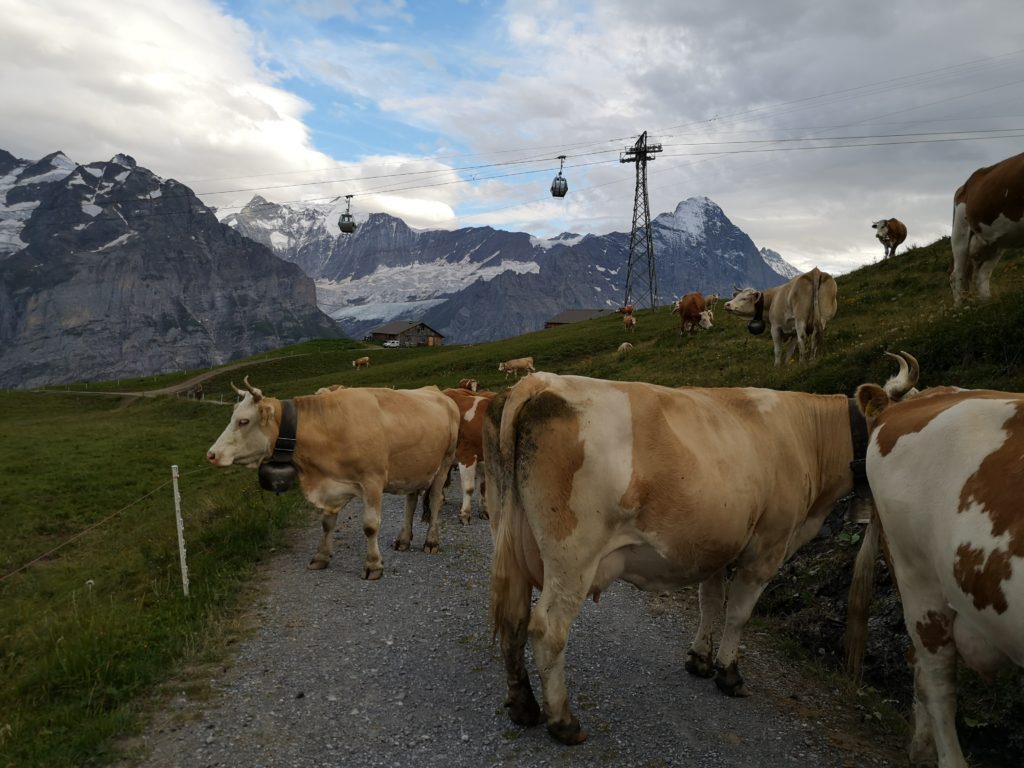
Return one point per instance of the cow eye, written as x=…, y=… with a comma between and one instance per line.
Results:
x=242, y=422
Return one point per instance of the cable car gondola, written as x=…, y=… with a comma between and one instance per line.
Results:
x=346, y=223
x=560, y=186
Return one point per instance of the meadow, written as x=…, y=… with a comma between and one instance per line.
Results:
x=90, y=631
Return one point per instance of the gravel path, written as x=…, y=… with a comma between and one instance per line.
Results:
x=401, y=672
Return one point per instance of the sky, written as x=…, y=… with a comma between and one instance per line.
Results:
x=805, y=120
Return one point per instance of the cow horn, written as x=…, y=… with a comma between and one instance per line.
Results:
x=900, y=384
x=240, y=392
x=257, y=395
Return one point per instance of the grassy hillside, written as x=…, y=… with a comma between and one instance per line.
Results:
x=88, y=630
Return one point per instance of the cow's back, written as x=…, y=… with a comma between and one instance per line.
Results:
x=991, y=192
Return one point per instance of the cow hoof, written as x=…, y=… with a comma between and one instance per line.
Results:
x=699, y=666
x=401, y=545
x=729, y=681
x=465, y=520
x=372, y=574
x=484, y=515
x=318, y=563
x=525, y=711
x=568, y=733
x=431, y=547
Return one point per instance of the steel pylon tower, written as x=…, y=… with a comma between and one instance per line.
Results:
x=641, y=280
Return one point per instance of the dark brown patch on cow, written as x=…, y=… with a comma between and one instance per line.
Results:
x=996, y=487
x=934, y=631
x=548, y=454
x=981, y=578
x=994, y=191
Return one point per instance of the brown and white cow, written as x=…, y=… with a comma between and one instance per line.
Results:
x=629, y=323
x=361, y=362
x=469, y=452
x=517, y=366
x=946, y=474
x=469, y=384
x=590, y=481
x=797, y=312
x=693, y=313
x=988, y=217
x=890, y=233
x=626, y=309
x=353, y=442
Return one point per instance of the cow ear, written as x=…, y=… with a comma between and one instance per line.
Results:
x=871, y=400
x=266, y=413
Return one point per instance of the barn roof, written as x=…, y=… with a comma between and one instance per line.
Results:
x=396, y=327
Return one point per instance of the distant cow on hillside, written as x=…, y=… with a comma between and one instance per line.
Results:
x=517, y=366
x=693, y=313
x=629, y=323
x=361, y=362
x=988, y=216
x=890, y=233
x=470, y=384
x=798, y=313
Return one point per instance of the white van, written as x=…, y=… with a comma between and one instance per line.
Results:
x=391, y=343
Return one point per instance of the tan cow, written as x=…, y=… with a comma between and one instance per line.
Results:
x=590, y=481
x=629, y=323
x=361, y=362
x=469, y=451
x=890, y=233
x=517, y=366
x=946, y=474
x=798, y=313
x=693, y=313
x=988, y=217
x=352, y=442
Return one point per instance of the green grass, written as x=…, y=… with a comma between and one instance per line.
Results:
x=89, y=632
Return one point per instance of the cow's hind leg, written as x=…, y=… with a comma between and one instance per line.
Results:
x=552, y=617
x=328, y=519
x=436, y=497
x=373, y=566
x=712, y=600
x=405, y=536
x=522, y=705
x=467, y=476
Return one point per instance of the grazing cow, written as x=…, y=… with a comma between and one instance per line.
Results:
x=469, y=451
x=518, y=365
x=798, y=312
x=626, y=309
x=712, y=301
x=693, y=313
x=629, y=323
x=625, y=347
x=945, y=471
x=988, y=217
x=471, y=384
x=351, y=442
x=361, y=362
x=590, y=481
x=890, y=233
x=196, y=392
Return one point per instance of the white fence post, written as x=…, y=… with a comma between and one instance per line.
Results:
x=181, y=529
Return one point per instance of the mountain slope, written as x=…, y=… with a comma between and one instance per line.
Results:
x=479, y=284
x=107, y=271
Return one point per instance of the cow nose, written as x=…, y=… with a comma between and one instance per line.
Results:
x=211, y=457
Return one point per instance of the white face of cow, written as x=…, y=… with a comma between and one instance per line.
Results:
x=881, y=229
x=742, y=302
x=243, y=441
x=705, y=319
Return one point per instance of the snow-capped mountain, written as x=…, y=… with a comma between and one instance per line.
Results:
x=108, y=271
x=774, y=260
x=478, y=284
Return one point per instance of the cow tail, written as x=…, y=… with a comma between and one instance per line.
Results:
x=511, y=587
x=862, y=588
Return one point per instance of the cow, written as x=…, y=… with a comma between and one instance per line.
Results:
x=590, y=481
x=350, y=442
x=798, y=313
x=625, y=348
x=988, y=217
x=361, y=362
x=890, y=233
x=517, y=366
x=626, y=309
x=330, y=388
x=469, y=450
x=711, y=301
x=470, y=384
x=629, y=323
x=693, y=313
x=945, y=471
x=196, y=392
